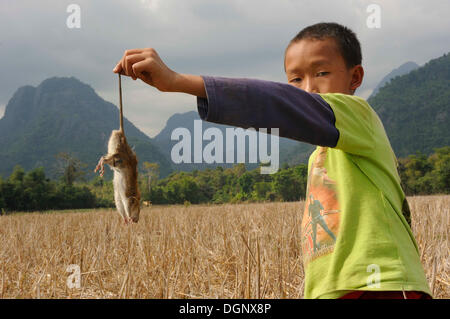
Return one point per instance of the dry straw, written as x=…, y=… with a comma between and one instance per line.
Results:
x=200, y=251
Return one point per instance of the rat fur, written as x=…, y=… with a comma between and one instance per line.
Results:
x=123, y=161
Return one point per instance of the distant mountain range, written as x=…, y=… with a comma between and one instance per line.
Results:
x=415, y=108
x=293, y=152
x=186, y=120
x=403, y=69
x=64, y=115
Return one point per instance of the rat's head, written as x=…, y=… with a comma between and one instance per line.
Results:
x=324, y=58
x=134, y=208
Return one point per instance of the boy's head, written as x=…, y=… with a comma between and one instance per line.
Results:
x=324, y=58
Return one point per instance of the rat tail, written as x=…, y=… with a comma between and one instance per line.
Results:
x=121, y=107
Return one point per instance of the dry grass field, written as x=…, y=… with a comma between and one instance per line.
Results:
x=226, y=251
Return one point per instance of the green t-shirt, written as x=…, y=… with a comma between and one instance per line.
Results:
x=354, y=232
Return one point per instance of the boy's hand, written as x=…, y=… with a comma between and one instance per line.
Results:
x=145, y=64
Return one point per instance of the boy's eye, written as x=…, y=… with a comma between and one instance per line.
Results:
x=296, y=80
x=322, y=73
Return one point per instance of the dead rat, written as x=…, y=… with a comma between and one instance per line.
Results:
x=123, y=161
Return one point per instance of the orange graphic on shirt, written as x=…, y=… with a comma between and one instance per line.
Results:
x=320, y=221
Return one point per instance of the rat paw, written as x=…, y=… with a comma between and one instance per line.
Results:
x=100, y=167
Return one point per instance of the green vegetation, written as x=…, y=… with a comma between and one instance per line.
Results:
x=424, y=175
x=414, y=108
x=233, y=185
x=31, y=191
x=65, y=115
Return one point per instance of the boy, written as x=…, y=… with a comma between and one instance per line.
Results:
x=356, y=237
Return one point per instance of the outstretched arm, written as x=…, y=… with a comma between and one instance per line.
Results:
x=297, y=114
x=244, y=103
x=145, y=64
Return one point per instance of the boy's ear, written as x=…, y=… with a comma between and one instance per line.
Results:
x=357, y=77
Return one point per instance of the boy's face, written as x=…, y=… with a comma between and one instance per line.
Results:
x=317, y=66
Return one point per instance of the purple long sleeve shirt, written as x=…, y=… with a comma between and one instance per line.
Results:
x=245, y=103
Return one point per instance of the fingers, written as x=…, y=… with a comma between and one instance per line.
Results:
x=140, y=69
x=120, y=66
x=146, y=65
x=130, y=60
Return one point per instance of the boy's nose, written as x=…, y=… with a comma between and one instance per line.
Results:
x=309, y=86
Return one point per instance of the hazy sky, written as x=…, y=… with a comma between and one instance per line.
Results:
x=236, y=38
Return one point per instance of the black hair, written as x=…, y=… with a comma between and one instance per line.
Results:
x=347, y=42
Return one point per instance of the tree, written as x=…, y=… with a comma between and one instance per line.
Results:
x=17, y=175
x=301, y=175
x=246, y=183
x=261, y=190
x=426, y=175
x=286, y=185
x=36, y=190
x=151, y=175
x=2, y=200
x=70, y=168
x=440, y=161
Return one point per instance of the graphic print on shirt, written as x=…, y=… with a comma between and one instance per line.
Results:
x=320, y=221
